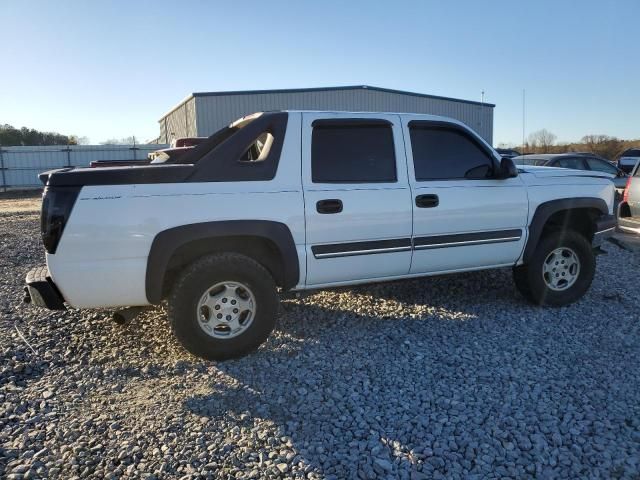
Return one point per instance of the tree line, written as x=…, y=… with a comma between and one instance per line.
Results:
x=16, y=137
x=12, y=137
x=544, y=141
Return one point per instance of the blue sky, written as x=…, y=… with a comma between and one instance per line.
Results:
x=111, y=69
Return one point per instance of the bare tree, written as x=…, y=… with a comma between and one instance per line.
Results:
x=542, y=141
x=507, y=145
x=121, y=141
x=75, y=140
x=603, y=145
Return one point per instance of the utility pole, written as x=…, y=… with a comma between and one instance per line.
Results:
x=135, y=157
x=481, y=108
x=523, y=118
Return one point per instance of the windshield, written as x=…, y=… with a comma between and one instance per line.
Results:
x=632, y=152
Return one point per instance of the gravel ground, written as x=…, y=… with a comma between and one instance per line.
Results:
x=452, y=377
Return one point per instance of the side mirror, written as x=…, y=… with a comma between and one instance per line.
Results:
x=508, y=169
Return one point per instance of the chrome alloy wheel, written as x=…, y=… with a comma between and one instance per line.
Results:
x=226, y=310
x=561, y=269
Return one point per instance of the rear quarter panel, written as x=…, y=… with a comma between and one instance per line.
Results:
x=101, y=260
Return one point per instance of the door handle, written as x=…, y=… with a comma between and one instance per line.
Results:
x=427, y=201
x=330, y=205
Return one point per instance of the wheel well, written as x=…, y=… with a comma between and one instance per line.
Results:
x=261, y=249
x=581, y=220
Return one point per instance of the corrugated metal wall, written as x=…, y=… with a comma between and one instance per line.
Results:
x=180, y=122
x=216, y=111
x=20, y=166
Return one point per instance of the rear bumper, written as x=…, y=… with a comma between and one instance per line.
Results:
x=605, y=228
x=41, y=291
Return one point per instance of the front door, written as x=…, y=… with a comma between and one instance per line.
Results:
x=357, y=197
x=463, y=218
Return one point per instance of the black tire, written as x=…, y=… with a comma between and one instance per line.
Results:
x=201, y=275
x=529, y=278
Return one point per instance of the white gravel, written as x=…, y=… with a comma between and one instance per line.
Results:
x=450, y=377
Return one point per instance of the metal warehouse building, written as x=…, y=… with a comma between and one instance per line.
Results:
x=203, y=113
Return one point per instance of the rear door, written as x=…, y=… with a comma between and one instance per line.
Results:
x=357, y=197
x=463, y=218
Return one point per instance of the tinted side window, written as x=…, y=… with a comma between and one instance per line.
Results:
x=353, y=154
x=575, y=163
x=601, y=166
x=445, y=153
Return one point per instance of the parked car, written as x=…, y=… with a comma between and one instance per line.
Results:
x=577, y=161
x=628, y=159
x=508, y=152
x=293, y=201
x=629, y=209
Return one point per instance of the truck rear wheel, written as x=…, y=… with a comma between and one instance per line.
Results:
x=223, y=306
x=560, y=271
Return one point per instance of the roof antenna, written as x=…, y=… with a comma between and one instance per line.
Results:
x=523, y=118
x=481, y=109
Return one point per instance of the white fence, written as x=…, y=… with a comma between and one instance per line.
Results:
x=20, y=166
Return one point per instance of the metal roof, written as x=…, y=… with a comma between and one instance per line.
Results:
x=346, y=87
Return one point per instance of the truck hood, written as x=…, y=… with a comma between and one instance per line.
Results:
x=546, y=172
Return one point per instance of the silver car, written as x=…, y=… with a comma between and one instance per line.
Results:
x=577, y=161
x=629, y=209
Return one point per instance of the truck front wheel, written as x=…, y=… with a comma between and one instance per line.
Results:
x=560, y=271
x=223, y=306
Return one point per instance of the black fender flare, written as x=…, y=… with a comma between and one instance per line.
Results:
x=545, y=210
x=168, y=241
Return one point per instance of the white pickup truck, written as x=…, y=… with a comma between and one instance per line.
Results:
x=292, y=201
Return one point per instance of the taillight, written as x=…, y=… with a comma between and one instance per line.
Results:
x=625, y=195
x=57, y=203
